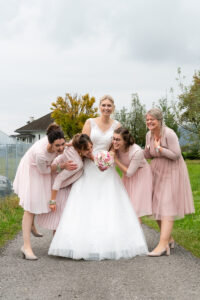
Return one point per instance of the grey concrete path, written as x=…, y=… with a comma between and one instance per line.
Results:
x=173, y=277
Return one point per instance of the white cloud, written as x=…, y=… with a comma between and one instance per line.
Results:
x=118, y=47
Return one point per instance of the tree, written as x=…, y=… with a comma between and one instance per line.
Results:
x=188, y=111
x=71, y=112
x=169, y=115
x=134, y=120
x=189, y=105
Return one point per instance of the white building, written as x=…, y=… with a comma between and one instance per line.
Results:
x=34, y=129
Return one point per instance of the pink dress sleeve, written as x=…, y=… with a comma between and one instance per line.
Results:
x=66, y=177
x=147, y=146
x=135, y=163
x=173, y=151
x=42, y=164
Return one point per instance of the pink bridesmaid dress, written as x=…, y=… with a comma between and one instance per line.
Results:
x=32, y=182
x=137, y=180
x=172, y=195
x=62, y=184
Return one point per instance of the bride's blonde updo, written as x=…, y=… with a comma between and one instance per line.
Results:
x=108, y=97
x=105, y=97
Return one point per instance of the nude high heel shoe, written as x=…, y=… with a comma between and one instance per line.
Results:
x=165, y=251
x=171, y=244
x=35, y=233
x=27, y=256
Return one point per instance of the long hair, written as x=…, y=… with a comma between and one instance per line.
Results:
x=126, y=136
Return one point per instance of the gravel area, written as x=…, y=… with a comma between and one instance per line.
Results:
x=173, y=277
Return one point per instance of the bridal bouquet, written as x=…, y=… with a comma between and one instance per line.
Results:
x=103, y=160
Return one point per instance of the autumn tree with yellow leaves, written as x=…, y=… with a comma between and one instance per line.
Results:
x=71, y=112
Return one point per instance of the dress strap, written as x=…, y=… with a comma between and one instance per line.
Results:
x=92, y=122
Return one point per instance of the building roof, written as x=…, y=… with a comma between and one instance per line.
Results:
x=37, y=125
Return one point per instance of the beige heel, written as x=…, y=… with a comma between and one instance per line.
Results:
x=36, y=234
x=171, y=244
x=165, y=251
x=27, y=256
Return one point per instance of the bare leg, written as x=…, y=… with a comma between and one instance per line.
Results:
x=27, y=222
x=165, y=235
x=33, y=225
x=159, y=224
x=34, y=229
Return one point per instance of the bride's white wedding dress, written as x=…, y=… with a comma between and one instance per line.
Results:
x=98, y=221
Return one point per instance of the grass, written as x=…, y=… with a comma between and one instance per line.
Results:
x=186, y=232
x=10, y=218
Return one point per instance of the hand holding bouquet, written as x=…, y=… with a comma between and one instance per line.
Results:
x=103, y=159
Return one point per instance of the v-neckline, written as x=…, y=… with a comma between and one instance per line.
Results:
x=106, y=129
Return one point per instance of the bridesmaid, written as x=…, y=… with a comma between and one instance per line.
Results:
x=81, y=148
x=137, y=177
x=32, y=182
x=172, y=195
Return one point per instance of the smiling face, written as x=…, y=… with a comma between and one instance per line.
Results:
x=152, y=123
x=118, y=142
x=106, y=107
x=87, y=152
x=58, y=146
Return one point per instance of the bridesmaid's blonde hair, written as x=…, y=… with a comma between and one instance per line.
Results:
x=158, y=115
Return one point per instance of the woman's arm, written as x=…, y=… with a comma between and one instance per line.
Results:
x=64, y=175
x=173, y=151
x=42, y=165
x=87, y=128
x=122, y=167
x=134, y=164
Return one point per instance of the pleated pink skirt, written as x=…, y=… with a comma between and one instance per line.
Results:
x=172, y=195
x=52, y=219
x=139, y=188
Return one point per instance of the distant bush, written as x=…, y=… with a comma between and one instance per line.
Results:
x=194, y=154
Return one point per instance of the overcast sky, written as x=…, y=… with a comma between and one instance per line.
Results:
x=116, y=47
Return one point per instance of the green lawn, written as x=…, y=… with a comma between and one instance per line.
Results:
x=10, y=218
x=186, y=231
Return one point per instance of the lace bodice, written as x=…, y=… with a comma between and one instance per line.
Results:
x=101, y=140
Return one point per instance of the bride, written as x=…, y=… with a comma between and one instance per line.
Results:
x=98, y=221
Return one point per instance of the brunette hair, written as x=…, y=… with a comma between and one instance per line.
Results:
x=54, y=132
x=80, y=141
x=125, y=134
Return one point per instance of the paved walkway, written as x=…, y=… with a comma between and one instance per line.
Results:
x=173, y=277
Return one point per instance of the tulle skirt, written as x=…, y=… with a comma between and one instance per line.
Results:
x=52, y=219
x=172, y=195
x=32, y=187
x=98, y=221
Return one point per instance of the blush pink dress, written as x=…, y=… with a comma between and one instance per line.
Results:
x=137, y=180
x=62, y=184
x=32, y=182
x=172, y=195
